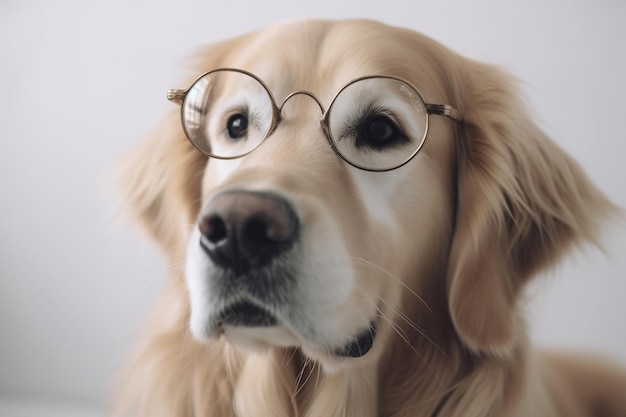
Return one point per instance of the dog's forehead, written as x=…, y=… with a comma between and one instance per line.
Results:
x=322, y=56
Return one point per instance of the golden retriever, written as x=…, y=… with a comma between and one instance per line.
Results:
x=358, y=210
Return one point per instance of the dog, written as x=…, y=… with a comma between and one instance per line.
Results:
x=358, y=210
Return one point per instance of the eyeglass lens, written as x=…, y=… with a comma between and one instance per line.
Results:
x=227, y=114
x=375, y=123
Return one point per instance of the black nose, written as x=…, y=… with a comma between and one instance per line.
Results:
x=244, y=229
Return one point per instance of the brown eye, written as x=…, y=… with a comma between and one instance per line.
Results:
x=379, y=132
x=237, y=126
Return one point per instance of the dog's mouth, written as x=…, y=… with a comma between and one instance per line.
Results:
x=245, y=314
x=360, y=345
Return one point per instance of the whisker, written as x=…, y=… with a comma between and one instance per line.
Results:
x=176, y=265
x=412, y=324
x=390, y=275
x=299, y=384
x=393, y=325
x=287, y=361
x=317, y=378
x=300, y=375
x=404, y=337
x=396, y=328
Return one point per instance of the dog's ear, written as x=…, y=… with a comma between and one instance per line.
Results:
x=161, y=178
x=521, y=203
x=161, y=182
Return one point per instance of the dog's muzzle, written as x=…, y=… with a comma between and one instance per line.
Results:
x=251, y=237
x=248, y=236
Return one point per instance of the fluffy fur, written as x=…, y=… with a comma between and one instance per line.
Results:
x=442, y=248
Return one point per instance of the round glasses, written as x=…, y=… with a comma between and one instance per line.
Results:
x=375, y=123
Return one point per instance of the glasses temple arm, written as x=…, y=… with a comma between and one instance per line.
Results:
x=444, y=110
x=177, y=96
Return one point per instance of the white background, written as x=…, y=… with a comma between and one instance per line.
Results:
x=83, y=81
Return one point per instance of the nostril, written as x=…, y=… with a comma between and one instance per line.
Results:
x=213, y=228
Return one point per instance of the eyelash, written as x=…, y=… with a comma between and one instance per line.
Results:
x=352, y=126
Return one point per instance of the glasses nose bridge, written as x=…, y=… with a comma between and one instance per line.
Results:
x=303, y=93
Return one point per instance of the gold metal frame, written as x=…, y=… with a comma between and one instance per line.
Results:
x=179, y=97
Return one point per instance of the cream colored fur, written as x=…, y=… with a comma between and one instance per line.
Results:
x=485, y=205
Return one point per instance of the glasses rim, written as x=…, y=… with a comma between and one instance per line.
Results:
x=180, y=96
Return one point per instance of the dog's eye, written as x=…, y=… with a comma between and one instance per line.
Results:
x=237, y=126
x=378, y=132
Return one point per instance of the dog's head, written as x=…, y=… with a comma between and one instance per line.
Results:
x=333, y=218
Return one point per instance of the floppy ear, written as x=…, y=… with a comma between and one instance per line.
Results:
x=161, y=182
x=521, y=203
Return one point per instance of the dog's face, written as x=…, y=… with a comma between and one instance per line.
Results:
x=291, y=245
x=294, y=246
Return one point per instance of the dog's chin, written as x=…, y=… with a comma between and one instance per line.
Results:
x=251, y=326
x=263, y=339
x=259, y=338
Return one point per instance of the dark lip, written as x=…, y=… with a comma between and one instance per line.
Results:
x=245, y=314
x=360, y=345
